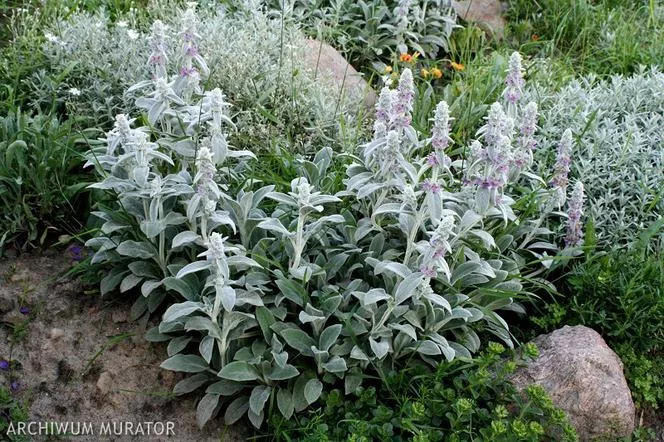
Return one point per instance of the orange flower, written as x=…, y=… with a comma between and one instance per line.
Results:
x=436, y=73
x=406, y=57
x=457, y=66
x=535, y=37
x=425, y=73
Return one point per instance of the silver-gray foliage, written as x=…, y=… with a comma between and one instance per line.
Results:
x=275, y=294
x=618, y=151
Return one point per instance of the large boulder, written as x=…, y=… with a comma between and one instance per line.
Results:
x=486, y=13
x=330, y=66
x=584, y=378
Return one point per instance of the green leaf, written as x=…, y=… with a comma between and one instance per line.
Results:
x=206, y=408
x=181, y=287
x=299, y=340
x=191, y=383
x=153, y=335
x=285, y=402
x=283, y=373
x=185, y=363
x=351, y=383
x=265, y=320
x=259, y=396
x=206, y=348
x=225, y=387
x=177, y=311
x=193, y=267
x=136, y=249
x=335, y=365
x=312, y=390
x=111, y=281
x=292, y=291
x=184, y=238
x=329, y=336
x=177, y=345
x=236, y=410
x=239, y=371
x=407, y=287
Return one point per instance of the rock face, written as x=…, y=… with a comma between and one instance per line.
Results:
x=584, y=378
x=486, y=13
x=329, y=65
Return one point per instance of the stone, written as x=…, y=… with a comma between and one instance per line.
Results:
x=328, y=64
x=119, y=316
x=486, y=13
x=105, y=383
x=585, y=379
x=56, y=333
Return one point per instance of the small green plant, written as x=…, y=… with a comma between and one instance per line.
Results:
x=461, y=401
x=11, y=410
x=604, y=37
x=40, y=178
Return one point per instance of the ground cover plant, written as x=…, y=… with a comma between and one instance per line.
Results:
x=617, y=150
x=462, y=400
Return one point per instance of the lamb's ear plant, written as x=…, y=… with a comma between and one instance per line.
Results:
x=275, y=296
x=372, y=31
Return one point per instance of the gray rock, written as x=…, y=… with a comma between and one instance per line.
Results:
x=486, y=13
x=584, y=378
x=56, y=333
x=329, y=65
x=105, y=383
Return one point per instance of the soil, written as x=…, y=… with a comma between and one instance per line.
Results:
x=69, y=368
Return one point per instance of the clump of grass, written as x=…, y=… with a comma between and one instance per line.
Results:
x=604, y=37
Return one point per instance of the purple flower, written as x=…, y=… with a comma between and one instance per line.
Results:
x=24, y=310
x=562, y=166
x=76, y=252
x=574, y=236
x=187, y=72
x=440, y=138
x=191, y=51
x=430, y=186
x=14, y=386
x=514, y=80
x=4, y=364
x=428, y=272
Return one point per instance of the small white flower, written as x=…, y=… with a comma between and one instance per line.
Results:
x=50, y=37
x=74, y=92
x=133, y=35
x=121, y=24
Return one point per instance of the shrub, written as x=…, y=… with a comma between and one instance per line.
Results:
x=459, y=401
x=617, y=150
x=272, y=295
x=41, y=180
